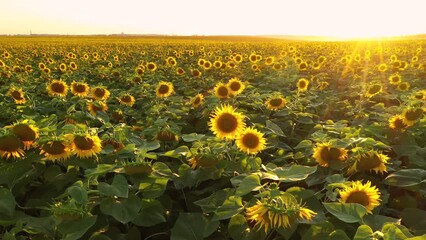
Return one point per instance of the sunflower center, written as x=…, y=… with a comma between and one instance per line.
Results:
x=235, y=86
x=151, y=66
x=375, y=89
x=330, y=154
x=163, y=89
x=276, y=102
x=227, y=123
x=80, y=88
x=414, y=114
x=10, y=144
x=126, y=98
x=302, y=84
x=83, y=143
x=403, y=86
x=54, y=148
x=369, y=162
x=57, y=87
x=99, y=92
x=358, y=197
x=222, y=91
x=399, y=123
x=250, y=140
x=16, y=95
x=24, y=132
x=197, y=100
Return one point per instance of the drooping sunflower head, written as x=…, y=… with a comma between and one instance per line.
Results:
x=85, y=145
x=56, y=150
x=364, y=194
x=11, y=146
x=278, y=212
x=27, y=131
x=250, y=141
x=57, y=88
x=420, y=95
x=97, y=106
x=373, y=90
x=403, y=86
x=275, y=103
x=236, y=86
x=325, y=154
x=127, y=99
x=100, y=93
x=302, y=85
x=18, y=95
x=221, y=90
x=80, y=89
x=411, y=115
x=397, y=123
x=369, y=161
x=395, y=79
x=226, y=123
x=164, y=89
x=197, y=100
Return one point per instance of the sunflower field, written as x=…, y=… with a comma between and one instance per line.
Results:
x=182, y=138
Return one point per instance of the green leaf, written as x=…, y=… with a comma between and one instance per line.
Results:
x=248, y=184
x=346, y=212
x=178, y=152
x=238, y=229
x=101, y=169
x=7, y=202
x=394, y=231
x=376, y=222
x=216, y=199
x=78, y=194
x=193, y=226
x=320, y=231
x=364, y=232
x=151, y=213
x=123, y=210
x=293, y=173
x=72, y=230
x=413, y=178
x=230, y=207
x=304, y=144
x=153, y=187
x=422, y=237
x=118, y=188
x=150, y=146
x=339, y=235
x=415, y=219
x=192, y=137
x=274, y=128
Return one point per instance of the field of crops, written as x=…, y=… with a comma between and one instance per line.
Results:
x=212, y=138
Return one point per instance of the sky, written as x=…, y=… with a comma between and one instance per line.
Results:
x=336, y=18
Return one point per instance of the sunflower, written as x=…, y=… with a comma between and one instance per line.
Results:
x=180, y=71
x=325, y=154
x=166, y=135
x=403, y=86
x=303, y=66
x=100, y=93
x=250, y=141
x=11, y=146
x=382, y=67
x=80, y=89
x=373, y=90
x=207, y=65
x=85, y=145
x=56, y=150
x=25, y=130
x=73, y=66
x=151, y=66
x=364, y=194
x=57, y=88
x=269, y=60
x=369, y=161
x=302, y=85
x=411, y=115
x=164, y=89
x=235, y=86
x=226, y=123
x=221, y=90
x=62, y=67
x=217, y=64
x=420, y=95
x=94, y=107
x=196, y=73
x=397, y=123
x=2, y=64
x=197, y=100
x=127, y=99
x=395, y=79
x=323, y=85
x=275, y=103
x=255, y=67
x=277, y=213
x=277, y=66
x=18, y=95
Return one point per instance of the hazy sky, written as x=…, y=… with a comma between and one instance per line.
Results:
x=347, y=18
